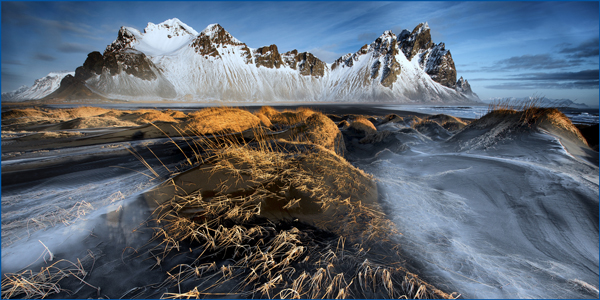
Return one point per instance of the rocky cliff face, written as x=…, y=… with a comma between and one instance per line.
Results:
x=434, y=59
x=306, y=63
x=438, y=63
x=415, y=42
x=268, y=57
x=171, y=60
x=384, y=49
x=124, y=40
x=127, y=60
x=463, y=86
x=214, y=36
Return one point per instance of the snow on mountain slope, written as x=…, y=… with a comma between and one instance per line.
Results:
x=172, y=61
x=157, y=39
x=41, y=88
x=381, y=72
x=218, y=66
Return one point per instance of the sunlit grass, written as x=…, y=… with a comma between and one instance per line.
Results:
x=289, y=218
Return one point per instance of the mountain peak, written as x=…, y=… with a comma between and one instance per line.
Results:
x=423, y=25
x=168, y=61
x=216, y=33
x=125, y=39
x=156, y=39
x=174, y=25
x=213, y=30
x=418, y=40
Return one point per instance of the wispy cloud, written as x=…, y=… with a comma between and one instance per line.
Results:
x=64, y=25
x=586, y=79
x=44, y=57
x=527, y=62
x=13, y=62
x=581, y=75
x=586, y=49
x=545, y=85
x=74, y=48
x=368, y=37
x=556, y=76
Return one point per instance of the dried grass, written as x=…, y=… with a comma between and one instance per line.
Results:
x=287, y=117
x=530, y=113
x=320, y=130
x=301, y=228
x=220, y=120
x=507, y=116
x=39, y=285
x=361, y=124
x=264, y=120
x=153, y=116
x=289, y=219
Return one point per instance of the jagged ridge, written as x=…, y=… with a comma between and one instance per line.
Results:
x=171, y=60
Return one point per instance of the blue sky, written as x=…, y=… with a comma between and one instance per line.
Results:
x=504, y=49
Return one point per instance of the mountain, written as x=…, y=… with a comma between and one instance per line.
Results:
x=172, y=61
x=41, y=88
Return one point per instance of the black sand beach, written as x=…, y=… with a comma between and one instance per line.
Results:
x=356, y=202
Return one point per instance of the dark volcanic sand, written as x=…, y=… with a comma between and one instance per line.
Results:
x=517, y=219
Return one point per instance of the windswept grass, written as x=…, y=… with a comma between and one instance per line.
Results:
x=38, y=285
x=508, y=116
x=220, y=120
x=273, y=215
x=531, y=113
x=287, y=220
x=361, y=124
x=320, y=130
x=287, y=117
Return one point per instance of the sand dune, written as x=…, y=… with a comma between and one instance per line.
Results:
x=225, y=202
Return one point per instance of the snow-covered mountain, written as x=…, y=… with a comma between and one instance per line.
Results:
x=171, y=60
x=41, y=87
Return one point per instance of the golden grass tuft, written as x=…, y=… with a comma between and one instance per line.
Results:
x=268, y=111
x=97, y=122
x=448, y=122
x=393, y=118
x=175, y=113
x=38, y=285
x=220, y=120
x=87, y=117
x=84, y=112
x=423, y=122
x=529, y=113
x=510, y=116
x=154, y=116
x=287, y=117
x=361, y=124
x=23, y=113
x=264, y=120
x=320, y=130
x=343, y=124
